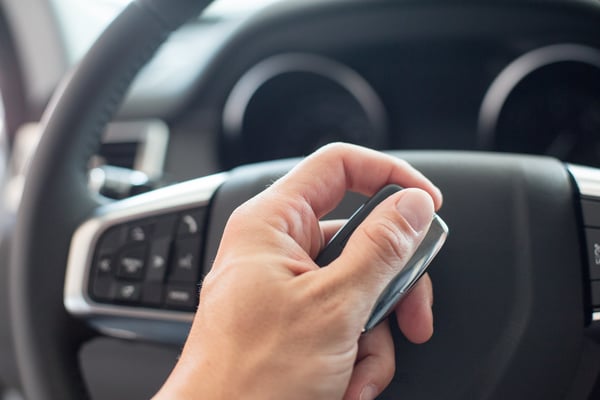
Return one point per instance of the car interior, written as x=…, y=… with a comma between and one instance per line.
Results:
x=131, y=130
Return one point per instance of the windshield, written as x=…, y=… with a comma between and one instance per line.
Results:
x=81, y=21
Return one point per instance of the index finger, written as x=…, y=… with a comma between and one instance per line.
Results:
x=323, y=178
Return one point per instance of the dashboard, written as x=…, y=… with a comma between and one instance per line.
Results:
x=509, y=76
x=280, y=81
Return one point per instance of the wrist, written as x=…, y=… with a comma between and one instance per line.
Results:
x=190, y=381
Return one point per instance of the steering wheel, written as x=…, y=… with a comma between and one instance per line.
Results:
x=513, y=289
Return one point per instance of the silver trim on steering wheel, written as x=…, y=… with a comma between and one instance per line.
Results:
x=588, y=180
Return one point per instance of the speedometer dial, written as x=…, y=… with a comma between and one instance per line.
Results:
x=289, y=105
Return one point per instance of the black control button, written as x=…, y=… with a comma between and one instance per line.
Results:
x=186, y=264
x=128, y=292
x=181, y=297
x=139, y=233
x=593, y=251
x=105, y=265
x=109, y=245
x=591, y=213
x=165, y=226
x=191, y=222
x=131, y=263
x=103, y=289
x=152, y=294
x=111, y=241
x=596, y=293
x=158, y=260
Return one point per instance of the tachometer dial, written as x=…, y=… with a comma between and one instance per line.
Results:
x=552, y=105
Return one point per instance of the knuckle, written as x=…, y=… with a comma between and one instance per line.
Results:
x=333, y=147
x=393, y=245
x=333, y=151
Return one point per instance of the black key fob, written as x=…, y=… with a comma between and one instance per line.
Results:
x=401, y=284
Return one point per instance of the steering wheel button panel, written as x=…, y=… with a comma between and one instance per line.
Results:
x=593, y=251
x=139, y=260
x=588, y=183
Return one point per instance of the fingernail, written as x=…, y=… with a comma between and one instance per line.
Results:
x=369, y=392
x=416, y=207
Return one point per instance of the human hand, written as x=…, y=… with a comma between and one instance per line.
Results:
x=273, y=325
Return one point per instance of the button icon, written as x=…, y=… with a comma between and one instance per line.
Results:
x=183, y=297
x=157, y=262
x=131, y=263
x=191, y=224
x=138, y=234
x=186, y=261
x=593, y=252
x=179, y=296
x=104, y=265
x=131, y=266
x=185, y=265
x=158, y=259
x=129, y=292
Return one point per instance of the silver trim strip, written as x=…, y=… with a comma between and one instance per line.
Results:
x=516, y=71
x=261, y=73
x=124, y=321
x=587, y=178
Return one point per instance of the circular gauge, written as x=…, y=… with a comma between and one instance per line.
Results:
x=289, y=105
x=547, y=102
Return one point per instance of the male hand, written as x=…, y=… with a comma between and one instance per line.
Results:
x=273, y=325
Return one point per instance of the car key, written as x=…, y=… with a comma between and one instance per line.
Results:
x=416, y=266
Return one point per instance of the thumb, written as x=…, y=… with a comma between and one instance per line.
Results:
x=381, y=246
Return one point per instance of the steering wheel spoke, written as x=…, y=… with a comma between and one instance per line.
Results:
x=135, y=266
